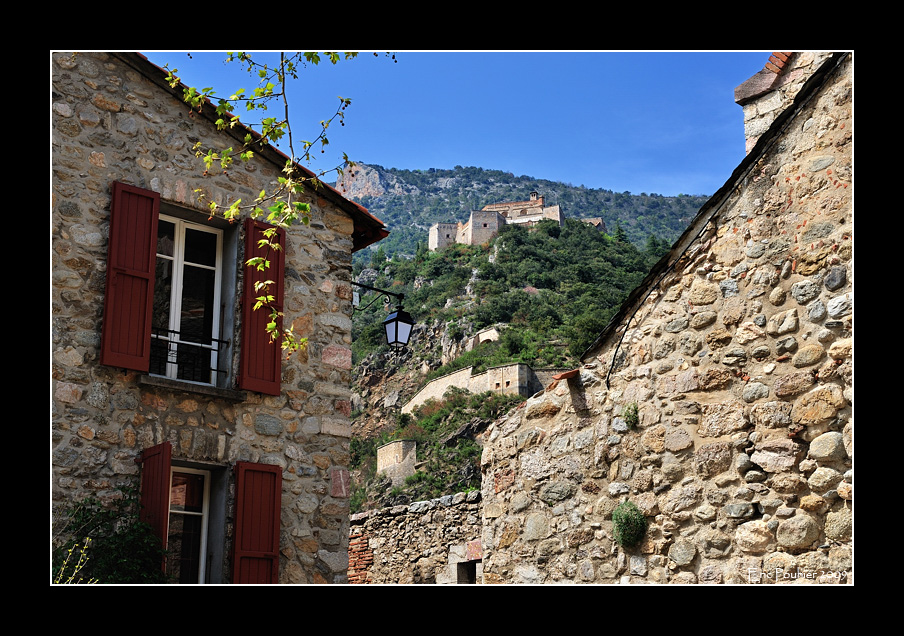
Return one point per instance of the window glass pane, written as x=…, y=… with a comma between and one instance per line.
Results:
x=163, y=290
x=196, y=324
x=200, y=247
x=187, y=492
x=184, y=548
x=197, y=304
x=186, y=523
x=194, y=363
x=159, y=352
x=166, y=233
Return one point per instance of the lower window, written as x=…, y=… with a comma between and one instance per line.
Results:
x=185, y=504
x=188, y=520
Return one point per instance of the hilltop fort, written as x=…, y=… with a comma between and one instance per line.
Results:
x=485, y=223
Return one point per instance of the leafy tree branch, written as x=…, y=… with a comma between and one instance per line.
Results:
x=281, y=207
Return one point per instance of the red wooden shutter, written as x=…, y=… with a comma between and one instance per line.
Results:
x=255, y=546
x=261, y=360
x=131, y=261
x=155, y=488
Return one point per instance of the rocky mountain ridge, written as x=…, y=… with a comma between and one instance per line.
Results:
x=410, y=201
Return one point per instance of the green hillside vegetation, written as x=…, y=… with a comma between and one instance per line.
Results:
x=554, y=287
x=448, y=456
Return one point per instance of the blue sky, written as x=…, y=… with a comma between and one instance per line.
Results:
x=663, y=122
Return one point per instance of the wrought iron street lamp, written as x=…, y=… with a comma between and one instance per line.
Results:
x=398, y=324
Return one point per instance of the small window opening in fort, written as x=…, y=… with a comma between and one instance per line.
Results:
x=486, y=225
x=467, y=572
x=498, y=385
x=507, y=383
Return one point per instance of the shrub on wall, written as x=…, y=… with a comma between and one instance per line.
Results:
x=629, y=524
x=631, y=416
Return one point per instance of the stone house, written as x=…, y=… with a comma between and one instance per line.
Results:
x=161, y=372
x=484, y=224
x=719, y=400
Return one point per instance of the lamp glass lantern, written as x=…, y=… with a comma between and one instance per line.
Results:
x=398, y=327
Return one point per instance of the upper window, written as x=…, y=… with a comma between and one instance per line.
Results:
x=171, y=295
x=186, y=340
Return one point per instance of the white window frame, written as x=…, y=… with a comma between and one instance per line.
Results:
x=204, y=514
x=178, y=263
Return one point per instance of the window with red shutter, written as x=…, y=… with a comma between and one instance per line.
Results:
x=261, y=359
x=186, y=507
x=128, y=301
x=170, y=287
x=155, y=486
x=257, y=510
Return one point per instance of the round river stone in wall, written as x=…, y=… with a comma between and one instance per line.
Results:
x=797, y=532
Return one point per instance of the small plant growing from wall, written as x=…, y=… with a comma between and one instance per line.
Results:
x=631, y=416
x=629, y=524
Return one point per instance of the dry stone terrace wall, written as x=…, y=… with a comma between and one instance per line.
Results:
x=740, y=363
x=111, y=123
x=424, y=542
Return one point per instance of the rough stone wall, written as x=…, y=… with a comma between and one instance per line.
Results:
x=740, y=363
x=424, y=542
x=111, y=123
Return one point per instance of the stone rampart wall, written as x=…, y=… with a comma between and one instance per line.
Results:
x=508, y=379
x=436, y=541
x=435, y=389
x=397, y=460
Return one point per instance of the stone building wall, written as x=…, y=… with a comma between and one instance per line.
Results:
x=481, y=228
x=113, y=122
x=738, y=357
x=442, y=235
x=513, y=379
x=436, y=541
